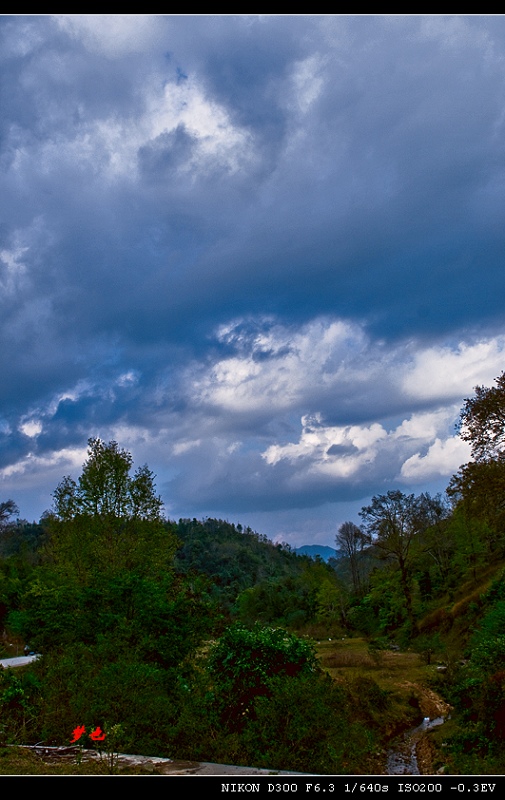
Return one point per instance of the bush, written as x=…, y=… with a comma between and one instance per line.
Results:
x=84, y=687
x=306, y=725
x=245, y=660
x=18, y=705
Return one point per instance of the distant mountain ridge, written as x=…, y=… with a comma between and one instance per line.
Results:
x=321, y=550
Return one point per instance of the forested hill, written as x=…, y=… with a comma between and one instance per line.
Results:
x=248, y=573
x=230, y=554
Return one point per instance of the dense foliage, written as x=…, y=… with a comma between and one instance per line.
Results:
x=245, y=660
x=122, y=603
x=105, y=608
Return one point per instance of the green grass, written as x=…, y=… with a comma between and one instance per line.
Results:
x=348, y=658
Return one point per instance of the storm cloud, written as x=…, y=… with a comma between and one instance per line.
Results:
x=265, y=254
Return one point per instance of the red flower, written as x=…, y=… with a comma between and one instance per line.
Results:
x=78, y=733
x=97, y=735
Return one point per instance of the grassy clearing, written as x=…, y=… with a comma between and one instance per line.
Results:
x=349, y=658
x=403, y=676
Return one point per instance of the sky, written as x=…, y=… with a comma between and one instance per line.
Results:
x=264, y=254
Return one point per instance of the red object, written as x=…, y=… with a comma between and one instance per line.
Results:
x=97, y=735
x=78, y=733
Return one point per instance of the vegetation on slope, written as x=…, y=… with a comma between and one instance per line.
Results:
x=195, y=637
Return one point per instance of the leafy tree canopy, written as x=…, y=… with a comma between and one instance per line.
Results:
x=479, y=486
x=394, y=520
x=7, y=510
x=251, y=656
x=352, y=541
x=106, y=489
x=107, y=567
x=109, y=521
x=482, y=421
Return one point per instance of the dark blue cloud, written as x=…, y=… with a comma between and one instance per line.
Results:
x=165, y=179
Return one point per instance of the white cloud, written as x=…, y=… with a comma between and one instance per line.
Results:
x=442, y=459
x=104, y=147
x=66, y=459
x=332, y=363
x=337, y=451
x=277, y=369
x=12, y=269
x=130, y=378
x=112, y=35
x=185, y=446
x=332, y=369
x=219, y=141
x=5, y=428
x=31, y=428
x=425, y=426
x=363, y=452
x=445, y=372
x=308, y=81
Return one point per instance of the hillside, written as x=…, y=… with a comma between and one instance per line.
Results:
x=197, y=640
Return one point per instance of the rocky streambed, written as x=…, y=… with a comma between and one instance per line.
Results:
x=412, y=753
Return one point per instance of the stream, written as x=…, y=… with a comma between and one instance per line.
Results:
x=402, y=757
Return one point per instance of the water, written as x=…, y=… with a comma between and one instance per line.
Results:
x=402, y=758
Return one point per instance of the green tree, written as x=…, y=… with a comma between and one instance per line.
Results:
x=330, y=602
x=352, y=540
x=309, y=723
x=109, y=554
x=479, y=693
x=112, y=618
x=105, y=489
x=109, y=520
x=393, y=521
x=482, y=422
x=18, y=705
x=436, y=562
x=470, y=535
x=480, y=484
x=7, y=510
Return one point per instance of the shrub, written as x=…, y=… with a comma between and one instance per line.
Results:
x=244, y=661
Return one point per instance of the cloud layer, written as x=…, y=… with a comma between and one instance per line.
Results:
x=264, y=253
